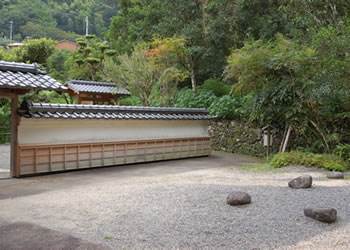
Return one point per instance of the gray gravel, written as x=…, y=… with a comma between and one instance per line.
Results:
x=4, y=158
x=187, y=209
x=4, y=161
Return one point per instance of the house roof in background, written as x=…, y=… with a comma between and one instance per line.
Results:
x=62, y=41
x=26, y=76
x=79, y=111
x=95, y=87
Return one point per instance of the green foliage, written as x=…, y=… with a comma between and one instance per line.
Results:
x=57, y=19
x=89, y=58
x=343, y=150
x=129, y=101
x=22, y=12
x=295, y=84
x=185, y=98
x=34, y=30
x=217, y=87
x=59, y=64
x=225, y=107
x=326, y=161
x=36, y=50
x=262, y=168
x=5, y=113
x=207, y=27
x=134, y=73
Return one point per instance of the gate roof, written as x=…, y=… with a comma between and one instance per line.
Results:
x=26, y=76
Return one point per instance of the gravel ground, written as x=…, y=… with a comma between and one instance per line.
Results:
x=4, y=161
x=4, y=158
x=164, y=208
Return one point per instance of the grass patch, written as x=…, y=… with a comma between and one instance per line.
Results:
x=108, y=237
x=326, y=161
x=261, y=168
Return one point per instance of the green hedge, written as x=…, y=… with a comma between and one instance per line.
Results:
x=326, y=161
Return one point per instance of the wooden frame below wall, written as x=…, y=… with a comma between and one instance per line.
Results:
x=35, y=159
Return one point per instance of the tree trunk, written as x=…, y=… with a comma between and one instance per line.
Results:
x=322, y=135
x=283, y=138
x=193, y=79
x=287, y=138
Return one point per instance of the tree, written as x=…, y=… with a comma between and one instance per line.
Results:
x=134, y=73
x=37, y=31
x=59, y=64
x=168, y=59
x=207, y=27
x=280, y=74
x=23, y=11
x=153, y=67
x=135, y=21
x=36, y=50
x=90, y=56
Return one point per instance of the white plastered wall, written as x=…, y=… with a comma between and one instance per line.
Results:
x=57, y=131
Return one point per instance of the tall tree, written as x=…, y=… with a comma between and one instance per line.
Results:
x=206, y=25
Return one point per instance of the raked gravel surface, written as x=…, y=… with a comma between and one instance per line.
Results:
x=187, y=209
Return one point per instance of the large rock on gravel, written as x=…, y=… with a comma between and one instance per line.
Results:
x=335, y=175
x=238, y=198
x=323, y=214
x=304, y=181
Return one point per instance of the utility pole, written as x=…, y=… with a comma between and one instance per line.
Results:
x=11, y=29
x=87, y=25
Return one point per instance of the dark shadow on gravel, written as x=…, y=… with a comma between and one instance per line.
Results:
x=56, y=181
x=30, y=236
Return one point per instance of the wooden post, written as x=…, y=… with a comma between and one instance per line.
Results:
x=79, y=99
x=14, y=170
x=287, y=138
x=268, y=141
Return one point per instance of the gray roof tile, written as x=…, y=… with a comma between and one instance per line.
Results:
x=74, y=111
x=26, y=76
x=96, y=87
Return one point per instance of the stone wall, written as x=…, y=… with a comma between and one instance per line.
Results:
x=241, y=138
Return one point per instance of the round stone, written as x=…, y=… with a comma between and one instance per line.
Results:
x=335, y=175
x=323, y=214
x=304, y=181
x=238, y=198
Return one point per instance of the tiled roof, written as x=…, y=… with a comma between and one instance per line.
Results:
x=26, y=76
x=96, y=87
x=78, y=111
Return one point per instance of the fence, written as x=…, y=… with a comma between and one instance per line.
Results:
x=49, y=158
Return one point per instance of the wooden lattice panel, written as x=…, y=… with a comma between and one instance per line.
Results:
x=34, y=159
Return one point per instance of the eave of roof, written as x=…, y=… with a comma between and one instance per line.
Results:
x=26, y=76
x=79, y=86
x=78, y=111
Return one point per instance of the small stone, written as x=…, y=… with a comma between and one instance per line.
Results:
x=323, y=214
x=335, y=175
x=304, y=181
x=238, y=198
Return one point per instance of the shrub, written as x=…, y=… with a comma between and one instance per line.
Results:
x=343, y=150
x=327, y=161
x=185, y=98
x=217, y=87
x=224, y=107
x=129, y=101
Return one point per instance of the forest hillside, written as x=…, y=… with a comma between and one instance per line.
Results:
x=55, y=19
